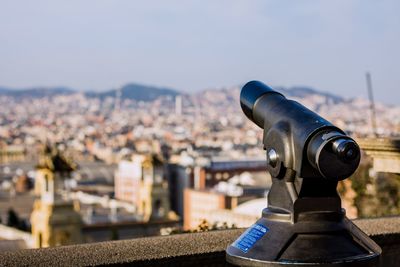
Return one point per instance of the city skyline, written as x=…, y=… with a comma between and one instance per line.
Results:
x=192, y=46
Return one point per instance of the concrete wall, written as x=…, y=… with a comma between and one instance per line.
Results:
x=199, y=249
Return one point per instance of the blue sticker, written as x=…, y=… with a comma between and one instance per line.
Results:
x=247, y=240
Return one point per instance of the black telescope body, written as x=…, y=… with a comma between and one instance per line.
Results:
x=325, y=145
x=304, y=223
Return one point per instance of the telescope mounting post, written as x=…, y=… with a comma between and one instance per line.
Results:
x=304, y=223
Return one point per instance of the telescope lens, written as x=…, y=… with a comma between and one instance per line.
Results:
x=345, y=149
x=350, y=154
x=335, y=155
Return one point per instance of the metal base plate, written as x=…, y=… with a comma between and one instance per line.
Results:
x=333, y=241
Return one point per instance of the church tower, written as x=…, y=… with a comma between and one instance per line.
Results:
x=153, y=201
x=54, y=220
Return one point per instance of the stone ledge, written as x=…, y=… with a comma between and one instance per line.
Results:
x=385, y=153
x=380, y=144
x=198, y=249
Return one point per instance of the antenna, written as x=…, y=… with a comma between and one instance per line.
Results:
x=372, y=104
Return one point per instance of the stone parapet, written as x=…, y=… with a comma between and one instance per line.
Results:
x=197, y=249
x=385, y=153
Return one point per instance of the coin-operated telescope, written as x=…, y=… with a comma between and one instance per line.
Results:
x=304, y=223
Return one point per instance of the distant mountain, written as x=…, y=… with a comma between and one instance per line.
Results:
x=303, y=92
x=136, y=91
x=130, y=91
x=146, y=93
x=36, y=92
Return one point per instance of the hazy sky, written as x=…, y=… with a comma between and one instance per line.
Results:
x=191, y=45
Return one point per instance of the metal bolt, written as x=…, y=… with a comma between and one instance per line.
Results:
x=272, y=158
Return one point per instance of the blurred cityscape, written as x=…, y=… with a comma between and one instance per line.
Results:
x=78, y=167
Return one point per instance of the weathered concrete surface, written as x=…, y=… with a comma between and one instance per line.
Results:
x=200, y=249
x=177, y=250
x=385, y=232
